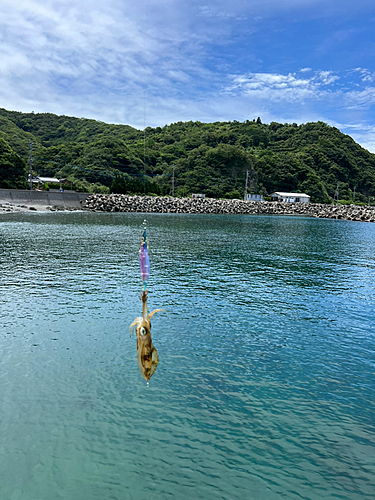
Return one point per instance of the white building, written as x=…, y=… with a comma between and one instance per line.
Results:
x=290, y=197
x=44, y=180
x=254, y=197
x=48, y=180
x=198, y=196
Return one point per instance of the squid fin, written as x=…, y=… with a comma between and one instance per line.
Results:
x=155, y=361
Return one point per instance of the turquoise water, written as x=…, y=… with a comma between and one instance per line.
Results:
x=265, y=387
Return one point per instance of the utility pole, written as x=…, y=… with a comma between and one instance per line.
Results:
x=247, y=176
x=355, y=187
x=173, y=181
x=337, y=193
x=144, y=160
x=30, y=165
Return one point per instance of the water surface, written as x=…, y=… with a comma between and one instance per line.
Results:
x=266, y=383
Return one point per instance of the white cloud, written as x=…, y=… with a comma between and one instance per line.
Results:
x=360, y=99
x=277, y=87
x=289, y=87
x=84, y=48
x=327, y=77
x=366, y=75
x=215, y=11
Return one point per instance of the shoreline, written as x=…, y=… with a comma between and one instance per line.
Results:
x=7, y=207
x=153, y=204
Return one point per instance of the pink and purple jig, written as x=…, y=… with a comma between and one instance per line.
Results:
x=144, y=261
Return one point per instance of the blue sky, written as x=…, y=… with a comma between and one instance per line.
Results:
x=157, y=62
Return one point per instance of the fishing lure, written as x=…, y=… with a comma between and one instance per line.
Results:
x=147, y=355
x=144, y=261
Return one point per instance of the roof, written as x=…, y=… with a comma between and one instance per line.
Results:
x=49, y=179
x=298, y=195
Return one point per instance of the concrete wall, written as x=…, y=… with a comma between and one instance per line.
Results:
x=27, y=197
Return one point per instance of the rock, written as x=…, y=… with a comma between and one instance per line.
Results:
x=152, y=204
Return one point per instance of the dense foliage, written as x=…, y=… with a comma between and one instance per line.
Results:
x=209, y=158
x=12, y=167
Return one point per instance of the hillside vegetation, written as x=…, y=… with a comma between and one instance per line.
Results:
x=209, y=158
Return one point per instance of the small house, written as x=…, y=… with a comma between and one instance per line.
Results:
x=198, y=196
x=253, y=197
x=49, y=180
x=290, y=197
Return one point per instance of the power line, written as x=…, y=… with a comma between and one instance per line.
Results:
x=144, y=140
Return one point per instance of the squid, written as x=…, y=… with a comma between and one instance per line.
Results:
x=147, y=355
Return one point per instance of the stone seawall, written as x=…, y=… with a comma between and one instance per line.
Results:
x=151, y=204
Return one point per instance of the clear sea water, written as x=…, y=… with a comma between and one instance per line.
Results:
x=265, y=387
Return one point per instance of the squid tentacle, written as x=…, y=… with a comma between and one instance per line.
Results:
x=135, y=323
x=153, y=312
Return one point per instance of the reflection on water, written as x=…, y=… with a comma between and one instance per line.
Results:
x=266, y=383
x=147, y=355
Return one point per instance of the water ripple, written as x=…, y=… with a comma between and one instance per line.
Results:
x=266, y=381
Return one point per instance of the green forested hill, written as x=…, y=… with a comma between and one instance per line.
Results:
x=210, y=158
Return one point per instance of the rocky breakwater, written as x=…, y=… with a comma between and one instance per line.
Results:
x=152, y=204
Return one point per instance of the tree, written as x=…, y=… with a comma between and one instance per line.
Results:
x=12, y=168
x=209, y=157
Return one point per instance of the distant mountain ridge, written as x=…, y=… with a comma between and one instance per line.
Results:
x=211, y=158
